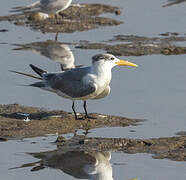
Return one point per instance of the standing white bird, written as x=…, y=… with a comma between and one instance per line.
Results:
x=80, y=83
x=45, y=6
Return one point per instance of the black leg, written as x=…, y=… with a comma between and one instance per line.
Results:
x=86, y=113
x=85, y=108
x=73, y=108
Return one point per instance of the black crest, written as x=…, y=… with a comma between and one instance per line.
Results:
x=99, y=57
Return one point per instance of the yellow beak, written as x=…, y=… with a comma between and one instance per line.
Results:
x=125, y=63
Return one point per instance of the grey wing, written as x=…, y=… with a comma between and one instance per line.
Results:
x=70, y=83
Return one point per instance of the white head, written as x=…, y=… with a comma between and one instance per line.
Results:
x=110, y=60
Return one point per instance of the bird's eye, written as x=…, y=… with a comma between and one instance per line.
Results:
x=112, y=58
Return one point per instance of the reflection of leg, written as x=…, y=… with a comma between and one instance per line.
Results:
x=56, y=36
x=56, y=18
x=73, y=108
x=75, y=133
x=86, y=114
x=86, y=132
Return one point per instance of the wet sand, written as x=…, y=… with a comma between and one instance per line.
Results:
x=139, y=45
x=45, y=122
x=173, y=148
x=75, y=18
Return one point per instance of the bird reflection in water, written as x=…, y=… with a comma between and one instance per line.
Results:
x=79, y=164
x=56, y=51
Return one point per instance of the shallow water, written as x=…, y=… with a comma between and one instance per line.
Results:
x=124, y=166
x=154, y=91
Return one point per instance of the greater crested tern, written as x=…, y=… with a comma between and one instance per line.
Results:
x=45, y=6
x=81, y=83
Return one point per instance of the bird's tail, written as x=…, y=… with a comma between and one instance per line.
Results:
x=39, y=84
x=26, y=74
x=37, y=70
x=25, y=8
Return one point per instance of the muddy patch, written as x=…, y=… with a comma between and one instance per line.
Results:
x=181, y=133
x=72, y=155
x=123, y=45
x=75, y=18
x=42, y=122
x=22, y=122
x=173, y=148
x=129, y=45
